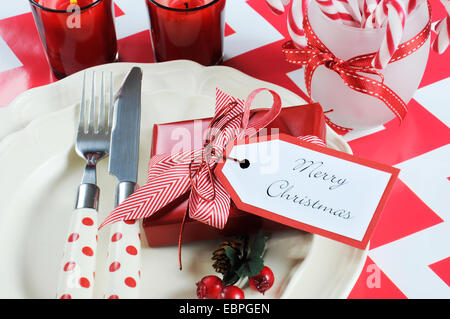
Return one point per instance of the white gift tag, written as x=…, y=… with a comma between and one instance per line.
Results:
x=308, y=187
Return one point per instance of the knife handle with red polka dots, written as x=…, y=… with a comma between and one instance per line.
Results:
x=123, y=261
x=78, y=263
x=123, y=264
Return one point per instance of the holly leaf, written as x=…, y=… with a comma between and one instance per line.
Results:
x=258, y=245
x=251, y=267
x=230, y=278
x=232, y=256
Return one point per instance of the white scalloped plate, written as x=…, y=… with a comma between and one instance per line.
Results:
x=41, y=171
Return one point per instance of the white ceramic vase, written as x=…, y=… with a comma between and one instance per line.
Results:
x=356, y=110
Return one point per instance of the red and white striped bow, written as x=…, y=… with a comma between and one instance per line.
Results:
x=172, y=175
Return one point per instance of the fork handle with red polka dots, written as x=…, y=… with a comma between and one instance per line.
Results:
x=78, y=263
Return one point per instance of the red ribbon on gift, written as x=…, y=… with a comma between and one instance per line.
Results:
x=353, y=71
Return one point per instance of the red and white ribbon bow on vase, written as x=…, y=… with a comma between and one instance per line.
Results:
x=172, y=175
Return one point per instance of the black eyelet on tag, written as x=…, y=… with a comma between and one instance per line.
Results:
x=244, y=164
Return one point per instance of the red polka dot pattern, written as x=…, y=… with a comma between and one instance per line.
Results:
x=73, y=237
x=88, y=251
x=123, y=261
x=130, y=282
x=116, y=237
x=84, y=282
x=78, y=263
x=69, y=266
x=131, y=250
x=114, y=266
x=87, y=221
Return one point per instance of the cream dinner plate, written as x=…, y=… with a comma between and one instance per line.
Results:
x=40, y=172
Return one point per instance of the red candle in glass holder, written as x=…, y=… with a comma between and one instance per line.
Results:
x=186, y=4
x=76, y=34
x=187, y=29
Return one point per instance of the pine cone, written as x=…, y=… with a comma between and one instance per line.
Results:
x=221, y=261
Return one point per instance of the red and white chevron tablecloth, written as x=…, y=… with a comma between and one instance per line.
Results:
x=409, y=254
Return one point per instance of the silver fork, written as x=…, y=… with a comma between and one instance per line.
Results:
x=93, y=139
x=92, y=144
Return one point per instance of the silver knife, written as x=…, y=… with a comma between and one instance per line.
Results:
x=124, y=151
x=123, y=259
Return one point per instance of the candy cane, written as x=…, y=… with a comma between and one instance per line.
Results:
x=442, y=29
x=355, y=8
x=394, y=31
x=297, y=11
x=332, y=11
x=277, y=6
x=377, y=18
x=352, y=8
x=366, y=7
x=412, y=5
x=369, y=12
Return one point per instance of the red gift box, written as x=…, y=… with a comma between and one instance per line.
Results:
x=163, y=228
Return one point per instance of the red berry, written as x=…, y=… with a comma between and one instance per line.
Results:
x=209, y=287
x=232, y=292
x=263, y=281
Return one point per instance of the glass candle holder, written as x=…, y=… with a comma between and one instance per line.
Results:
x=187, y=29
x=76, y=34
